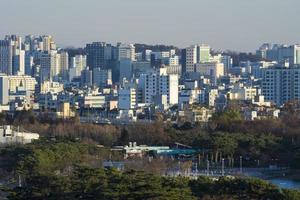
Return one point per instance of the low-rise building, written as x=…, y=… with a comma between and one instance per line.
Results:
x=195, y=114
x=10, y=136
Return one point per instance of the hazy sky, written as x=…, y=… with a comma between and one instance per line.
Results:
x=224, y=24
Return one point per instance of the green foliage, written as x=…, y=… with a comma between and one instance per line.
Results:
x=61, y=170
x=296, y=162
x=48, y=157
x=89, y=183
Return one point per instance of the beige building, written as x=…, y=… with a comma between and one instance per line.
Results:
x=64, y=111
x=195, y=114
x=26, y=82
x=242, y=93
x=52, y=87
x=213, y=70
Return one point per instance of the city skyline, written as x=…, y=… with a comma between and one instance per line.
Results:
x=226, y=24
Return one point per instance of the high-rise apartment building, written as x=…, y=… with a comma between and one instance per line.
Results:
x=281, y=84
x=159, y=87
x=280, y=53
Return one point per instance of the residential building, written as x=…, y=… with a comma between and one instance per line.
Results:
x=212, y=70
x=281, y=84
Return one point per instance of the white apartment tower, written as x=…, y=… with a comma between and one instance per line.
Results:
x=281, y=84
x=160, y=87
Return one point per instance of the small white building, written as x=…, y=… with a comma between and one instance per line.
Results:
x=9, y=136
x=242, y=93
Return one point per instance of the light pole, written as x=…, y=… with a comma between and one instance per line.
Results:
x=207, y=168
x=241, y=164
x=223, y=167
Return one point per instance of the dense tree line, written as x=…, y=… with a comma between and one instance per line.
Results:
x=227, y=135
x=63, y=170
x=91, y=183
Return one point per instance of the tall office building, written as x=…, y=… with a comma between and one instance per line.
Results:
x=78, y=61
x=50, y=65
x=4, y=90
x=189, y=59
x=281, y=84
x=125, y=57
x=6, y=57
x=19, y=63
x=203, y=53
x=64, y=65
x=296, y=54
x=12, y=57
x=125, y=70
x=125, y=51
x=28, y=63
x=194, y=54
x=147, y=55
x=86, y=77
x=102, y=77
x=98, y=54
x=227, y=62
x=48, y=43
x=77, y=64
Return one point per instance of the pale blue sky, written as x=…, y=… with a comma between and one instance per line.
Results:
x=224, y=24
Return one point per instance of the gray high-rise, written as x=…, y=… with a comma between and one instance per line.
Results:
x=6, y=53
x=98, y=54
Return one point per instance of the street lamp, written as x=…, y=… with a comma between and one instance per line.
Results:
x=223, y=167
x=241, y=164
x=207, y=168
